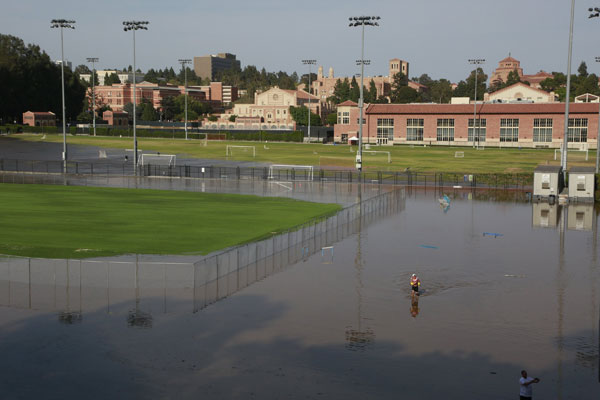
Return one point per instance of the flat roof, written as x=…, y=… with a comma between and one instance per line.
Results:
x=548, y=168
x=579, y=170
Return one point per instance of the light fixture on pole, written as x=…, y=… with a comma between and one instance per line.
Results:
x=183, y=62
x=309, y=63
x=134, y=26
x=563, y=158
x=476, y=62
x=362, y=21
x=93, y=60
x=70, y=24
x=594, y=13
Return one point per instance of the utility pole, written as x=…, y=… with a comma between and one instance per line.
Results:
x=93, y=60
x=70, y=24
x=183, y=62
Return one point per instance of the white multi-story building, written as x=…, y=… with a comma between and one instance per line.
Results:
x=124, y=76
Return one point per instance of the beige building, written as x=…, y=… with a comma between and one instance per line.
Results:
x=271, y=110
x=509, y=64
x=124, y=76
x=520, y=92
x=324, y=86
x=207, y=67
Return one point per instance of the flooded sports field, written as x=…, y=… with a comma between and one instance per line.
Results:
x=326, y=313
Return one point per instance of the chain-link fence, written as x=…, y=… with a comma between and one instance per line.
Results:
x=290, y=174
x=143, y=288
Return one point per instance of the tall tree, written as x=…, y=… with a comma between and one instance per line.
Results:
x=354, y=90
x=30, y=81
x=466, y=88
x=582, y=70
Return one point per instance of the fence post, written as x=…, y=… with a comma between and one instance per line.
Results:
x=237, y=172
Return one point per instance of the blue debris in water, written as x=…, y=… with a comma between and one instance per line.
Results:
x=492, y=234
x=426, y=246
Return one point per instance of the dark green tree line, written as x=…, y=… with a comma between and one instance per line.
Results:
x=30, y=81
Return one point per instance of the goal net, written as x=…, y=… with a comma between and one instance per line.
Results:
x=291, y=172
x=231, y=149
x=376, y=152
x=158, y=159
x=459, y=154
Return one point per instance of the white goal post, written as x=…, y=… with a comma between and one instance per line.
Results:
x=230, y=147
x=583, y=149
x=157, y=159
x=275, y=168
x=459, y=154
x=389, y=155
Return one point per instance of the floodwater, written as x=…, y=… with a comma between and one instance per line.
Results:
x=506, y=285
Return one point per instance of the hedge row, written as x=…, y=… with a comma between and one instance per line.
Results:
x=295, y=136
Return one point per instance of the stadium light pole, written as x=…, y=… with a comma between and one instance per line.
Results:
x=362, y=21
x=70, y=24
x=476, y=62
x=598, y=134
x=563, y=158
x=594, y=13
x=93, y=60
x=309, y=63
x=183, y=62
x=134, y=26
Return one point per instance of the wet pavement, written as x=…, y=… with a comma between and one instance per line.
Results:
x=506, y=285
x=12, y=148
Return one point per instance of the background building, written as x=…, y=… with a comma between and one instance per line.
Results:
x=323, y=87
x=500, y=125
x=33, y=118
x=117, y=95
x=270, y=110
x=124, y=76
x=520, y=92
x=207, y=67
x=510, y=64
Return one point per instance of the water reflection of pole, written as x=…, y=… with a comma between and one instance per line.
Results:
x=560, y=285
x=359, y=339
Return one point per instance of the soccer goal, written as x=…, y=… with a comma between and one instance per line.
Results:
x=291, y=172
x=231, y=149
x=583, y=149
x=158, y=159
x=389, y=155
x=459, y=154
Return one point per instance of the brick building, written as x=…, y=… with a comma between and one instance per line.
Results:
x=116, y=96
x=33, y=118
x=509, y=64
x=503, y=125
x=218, y=93
x=116, y=118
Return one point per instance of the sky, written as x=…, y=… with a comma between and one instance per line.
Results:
x=437, y=37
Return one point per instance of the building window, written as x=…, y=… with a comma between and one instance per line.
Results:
x=509, y=130
x=414, y=129
x=542, y=129
x=385, y=130
x=480, y=130
x=445, y=129
x=577, y=130
x=346, y=118
x=358, y=121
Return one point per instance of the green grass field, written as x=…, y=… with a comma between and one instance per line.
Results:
x=80, y=222
x=432, y=159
